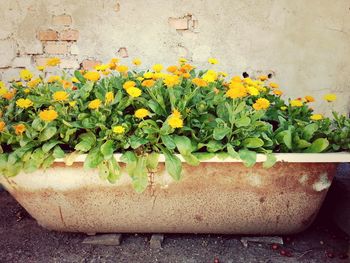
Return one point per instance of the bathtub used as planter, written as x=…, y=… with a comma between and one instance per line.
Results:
x=218, y=196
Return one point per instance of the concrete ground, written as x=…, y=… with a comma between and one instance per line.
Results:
x=22, y=240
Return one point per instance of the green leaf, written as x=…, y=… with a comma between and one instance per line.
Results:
x=173, y=165
x=239, y=107
x=136, y=142
x=204, y=156
x=47, y=134
x=152, y=161
x=220, y=132
x=184, y=146
x=318, y=145
x=168, y=142
x=69, y=159
x=242, y=122
x=48, y=162
x=79, y=76
x=270, y=160
x=107, y=149
x=214, y=146
x=93, y=159
x=287, y=138
x=248, y=157
x=103, y=170
x=37, y=124
x=58, y=153
x=87, y=140
x=140, y=175
x=114, y=170
x=232, y=152
x=253, y=142
x=309, y=131
x=49, y=145
x=128, y=157
x=222, y=155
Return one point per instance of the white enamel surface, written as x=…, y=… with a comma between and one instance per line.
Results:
x=341, y=157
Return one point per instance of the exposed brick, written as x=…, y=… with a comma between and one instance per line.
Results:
x=22, y=62
x=123, y=52
x=90, y=63
x=69, y=63
x=56, y=47
x=69, y=35
x=40, y=61
x=62, y=20
x=33, y=48
x=178, y=23
x=156, y=241
x=47, y=35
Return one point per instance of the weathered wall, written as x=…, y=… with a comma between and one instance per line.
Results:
x=306, y=44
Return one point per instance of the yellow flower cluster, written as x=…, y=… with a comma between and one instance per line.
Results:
x=25, y=74
x=92, y=76
x=118, y=129
x=171, y=81
x=236, y=90
x=175, y=119
x=94, y=104
x=48, y=115
x=141, y=113
x=199, y=82
x=261, y=104
x=109, y=97
x=24, y=103
x=60, y=96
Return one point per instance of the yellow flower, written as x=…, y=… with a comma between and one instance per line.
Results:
x=26, y=90
x=309, y=98
x=182, y=60
x=148, y=75
x=48, y=115
x=274, y=85
x=34, y=83
x=210, y=76
x=171, y=80
x=330, y=97
x=19, y=83
x=2, y=126
x=186, y=75
x=54, y=79
x=2, y=85
x=20, y=129
x=175, y=120
x=283, y=108
x=52, y=62
x=236, y=79
x=261, y=104
x=101, y=67
x=213, y=61
x=157, y=67
x=237, y=92
x=40, y=68
x=253, y=91
x=199, y=82
x=25, y=74
x=158, y=75
x=92, y=76
x=66, y=84
x=296, y=103
x=60, y=96
x=24, y=103
x=129, y=84
x=263, y=77
x=172, y=69
x=118, y=129
x=316, y=117
x=94, y=104
x=109, y=97
x=72, y=103
x=122, y=68
x=3, y=91
x=136, y=62
x=134, y=92
x=277, y=92
x=141, y=113
x=75, y=80
x=148, y=83
x=223, y=74
x=114, y=60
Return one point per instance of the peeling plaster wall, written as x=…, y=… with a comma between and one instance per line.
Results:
x=305, y=44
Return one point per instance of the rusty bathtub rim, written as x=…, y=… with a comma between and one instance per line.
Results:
x=338, y=157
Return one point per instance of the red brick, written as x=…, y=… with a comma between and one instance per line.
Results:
x=56, y=47
x=47, y=35
x=90, y=63
x=69, y=35
x=178, y=23
x=62, y=20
